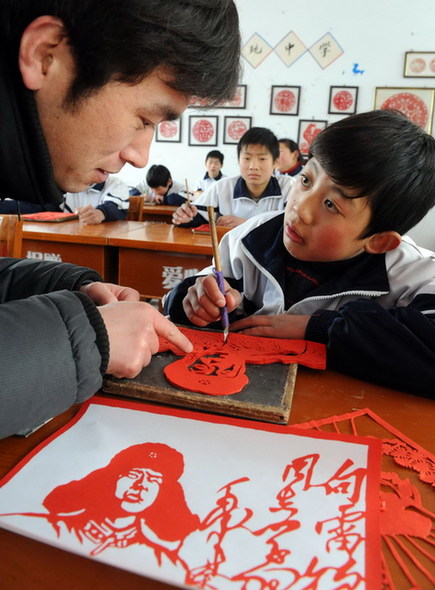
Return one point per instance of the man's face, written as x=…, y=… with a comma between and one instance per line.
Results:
x=320, y=224
x=105, y=130
x=213, y=166
x=161, y=190
x=138, y=489
x=256, y=166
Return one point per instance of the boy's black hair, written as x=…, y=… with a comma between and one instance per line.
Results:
x=259, y=136
x=386, y=158
x=216, y=154
x=198, y=41
x=158, y=175
x=293, y=147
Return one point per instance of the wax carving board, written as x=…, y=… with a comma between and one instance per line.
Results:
x=267, y=397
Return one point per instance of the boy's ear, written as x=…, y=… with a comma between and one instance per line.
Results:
x=38, y=45
x=383, y=242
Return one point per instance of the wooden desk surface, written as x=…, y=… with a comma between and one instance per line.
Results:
x=159, y=209
x=164, y=237
x=74, y=231
x=31, y=565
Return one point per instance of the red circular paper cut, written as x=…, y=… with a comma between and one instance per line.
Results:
x=168, y=129
x=203, y=131
x=410, y=105
x=343, y=100
x=432, y=65
x=417, y=65
x=285, y=101
x=236, y=129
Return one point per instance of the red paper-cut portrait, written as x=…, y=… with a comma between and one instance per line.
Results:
x=218, y=368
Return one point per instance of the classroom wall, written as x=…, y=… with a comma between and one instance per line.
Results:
x=373, y=37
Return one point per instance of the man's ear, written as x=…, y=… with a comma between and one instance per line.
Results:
x=38, y=45
x=383, y=242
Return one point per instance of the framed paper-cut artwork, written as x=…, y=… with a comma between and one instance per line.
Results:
x=307, y=132
x=284, y=100
x=238, y=101
x=134, y=486
x=203, y=130
x=419, y=64
x=414, y=103
x=342, y=100
x=169, y=131
x=235, y=127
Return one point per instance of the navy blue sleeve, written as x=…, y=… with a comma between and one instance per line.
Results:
x=112, y=212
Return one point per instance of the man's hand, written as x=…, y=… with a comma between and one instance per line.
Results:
x=282, y=325
x=89, y=215
x=229, y=221
x=102, y=293
x=204, y=301
x=158, y=199
x=134, y=328
x=184, y=214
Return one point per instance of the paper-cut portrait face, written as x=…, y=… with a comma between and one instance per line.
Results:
x=218, y=368
x=131, y=500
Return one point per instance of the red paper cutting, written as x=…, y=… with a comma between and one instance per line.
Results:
x=218, y=368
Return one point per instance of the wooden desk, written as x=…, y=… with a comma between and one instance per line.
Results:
x=156, y=256
x=72, y=241
x=28, y=564
x=158, y=213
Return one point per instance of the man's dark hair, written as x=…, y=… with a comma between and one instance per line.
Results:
x=198, y=41
x=158, y=175
x=216, y=154
x=293, y=147
x=259, y=136
x=386, y=158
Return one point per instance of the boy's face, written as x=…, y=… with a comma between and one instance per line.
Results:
x=256, y=165
x=320, y=224
x=287, y=159
x=213, y=166
x=161, y=190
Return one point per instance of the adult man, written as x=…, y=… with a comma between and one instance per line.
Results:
x=82, y=87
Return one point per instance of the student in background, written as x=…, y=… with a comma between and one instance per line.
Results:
x=159, y=187
x=104, y=201
x=213, y=163
x=254, y=191
x=68, y=121
x=334, y=268
x=290, y=160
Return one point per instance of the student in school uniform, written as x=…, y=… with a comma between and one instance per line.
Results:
x=159, y=187
x=213, y=164
x=290, y=161
x=334, y=267
x=103, y=201
x=256, y=190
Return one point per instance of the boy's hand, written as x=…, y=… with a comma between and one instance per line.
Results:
x=203, y=302
x=158, y=199
x=282, y=325
x=184, y=214
x=102, y=293
x=89, y=215
x=134, y=328
x=229, y=221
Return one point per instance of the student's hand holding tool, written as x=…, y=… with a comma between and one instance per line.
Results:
x=282, y=325
x=184, y=214
x=203, y=302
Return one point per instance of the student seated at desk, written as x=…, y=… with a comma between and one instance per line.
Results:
x=213, y=163
x=104, y=201
x=290, y=160
x=255, y=191
x=333, y=267
x=159, y=187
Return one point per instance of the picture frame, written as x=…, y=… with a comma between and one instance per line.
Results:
x=284, y=100
x=419, y=64
x=238, y=101
x=169, y=131
x=415, y=103
x=235, y=127
x=307, y=131
x=203, y=130
x=342, y=100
